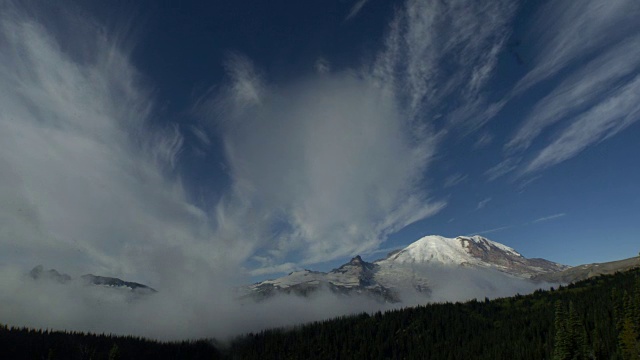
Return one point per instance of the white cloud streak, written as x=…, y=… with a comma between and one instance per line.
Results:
x=201, y=135
x=592, y=77
x=483, y=140
x=580, y=90
x=550, y=217
x=437, y=51
x=525, y=183
x=560, y=23
x=355, y=9
x=454, y=180
x=502, y=168
x=602, y=121
x=490, y=230
x=483, y=203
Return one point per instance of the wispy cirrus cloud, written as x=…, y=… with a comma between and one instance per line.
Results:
x=482, y=203
x=602, y=121
x=489, y=231
x=355, y=9
x=526, y=182
x=506, y=227
x=436, y=51
x=580, y=90
x=454, y=180
x=200, y=135
x=502, y=168
x=595, y=82
x=483, y=140
x=547, y=218
x=559, y=24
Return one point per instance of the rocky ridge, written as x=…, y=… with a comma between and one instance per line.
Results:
x=408, y=269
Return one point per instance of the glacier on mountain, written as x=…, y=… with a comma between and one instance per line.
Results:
x=417, y=270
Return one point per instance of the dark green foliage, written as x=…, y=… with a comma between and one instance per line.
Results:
x=114, y=353
x=570, y=334
x=21, y=343
x=629, y=340
x=592, y=319
x=562, y=349
x=579, y=321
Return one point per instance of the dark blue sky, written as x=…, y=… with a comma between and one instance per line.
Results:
x=286, y=134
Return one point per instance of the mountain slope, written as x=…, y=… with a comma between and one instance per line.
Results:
x=474, y=251
x=410, y=269
x=38, y=273
x=355, y=277
x=588, y=271
x=518, y=327
x=116, y=283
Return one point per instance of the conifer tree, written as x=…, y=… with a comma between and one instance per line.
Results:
x=562, y=349
x=577, y=334
x=636, y=306
x=618, y=312
x=628, y=338
x=114, y=353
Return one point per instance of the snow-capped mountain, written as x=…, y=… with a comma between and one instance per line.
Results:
x=38, y=273
x=355, y=277
x=471, y=251
x=409, y=269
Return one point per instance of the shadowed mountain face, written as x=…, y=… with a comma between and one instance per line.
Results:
x=116, y=283
x=38, y=273
x=582, y=272
x=355, y=277
x=412, y=269
x=53, y=275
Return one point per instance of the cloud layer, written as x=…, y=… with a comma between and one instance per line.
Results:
x=328, y=166
x=594, y=91
x=317, y=163
x=87, y=178
x=319, y=167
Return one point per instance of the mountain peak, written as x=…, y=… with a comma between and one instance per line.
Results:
x=115, y=282
x=469, y=251
x=405, y=269
x=485, y=244
x=38, y=272
x=355, y=264
x=433, y=249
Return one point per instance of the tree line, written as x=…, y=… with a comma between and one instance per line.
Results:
x=24, y=343
x=598, y=318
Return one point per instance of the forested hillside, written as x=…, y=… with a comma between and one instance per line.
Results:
x=21, y=343
x=596, y=318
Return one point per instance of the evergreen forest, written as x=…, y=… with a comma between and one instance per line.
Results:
x=598, y=318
